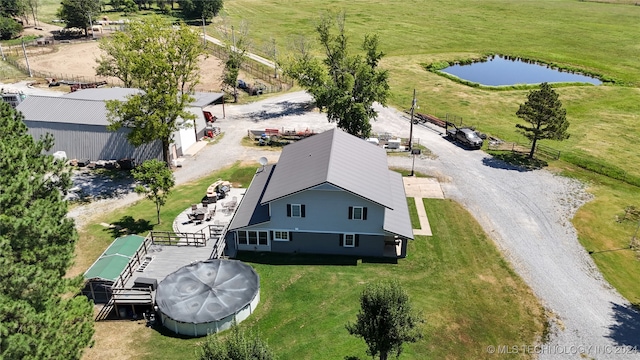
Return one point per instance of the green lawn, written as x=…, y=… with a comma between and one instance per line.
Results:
x=468, y=295
x=607, y=239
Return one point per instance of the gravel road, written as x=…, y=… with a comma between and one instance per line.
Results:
x=527, y=213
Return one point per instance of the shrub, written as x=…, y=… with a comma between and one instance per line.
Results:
x=9, y=28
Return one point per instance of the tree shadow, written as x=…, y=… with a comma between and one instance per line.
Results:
x=626, y=328
x=280, y=109
x=513, y=161
x=128, y=225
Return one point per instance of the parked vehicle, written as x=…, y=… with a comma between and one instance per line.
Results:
x=465, y=136
x=14, y=99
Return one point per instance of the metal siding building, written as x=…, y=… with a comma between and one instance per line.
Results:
x=78, y=122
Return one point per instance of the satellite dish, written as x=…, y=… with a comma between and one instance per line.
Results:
x=263, y=161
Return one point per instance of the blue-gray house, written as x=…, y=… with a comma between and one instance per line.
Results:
x=331, y=193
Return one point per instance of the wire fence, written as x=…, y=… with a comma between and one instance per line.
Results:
x=275, y=81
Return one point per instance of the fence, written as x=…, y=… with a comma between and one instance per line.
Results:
x=61, y=77
x=172, y=238
x=259, y=71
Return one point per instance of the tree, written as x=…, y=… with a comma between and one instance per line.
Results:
x=9, y=28
x=13, y=8
x=548, y=119
x=163, y=63
x=38, y=318
x=236, y=46
x=79, y=13
x=343, y=84
x=198, y=9
x=385, y=320
x=156, y=182
x=238, y=346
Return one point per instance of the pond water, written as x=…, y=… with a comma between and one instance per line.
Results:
x=498, y=71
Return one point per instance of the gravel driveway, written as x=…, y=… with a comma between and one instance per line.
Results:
x=527, y=213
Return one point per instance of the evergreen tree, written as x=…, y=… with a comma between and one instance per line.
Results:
x=343, y=84
x=38, y=320
x=385, y=320
x=548, y=119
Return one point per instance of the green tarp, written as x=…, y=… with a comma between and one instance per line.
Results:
x=115, y=259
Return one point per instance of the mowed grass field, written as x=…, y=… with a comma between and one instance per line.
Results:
x=468, y=295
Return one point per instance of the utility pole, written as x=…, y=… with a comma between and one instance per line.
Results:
x=275, y=62
x=413, y=108
x=233, y=53
x=26, y=59
x=204, y=33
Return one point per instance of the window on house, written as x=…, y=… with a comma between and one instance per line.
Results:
x=281, y=236
x=357, y=213
x=295, y=210
x=253, y=237
x=242, y=237
x=262, y=238
x=349, y=240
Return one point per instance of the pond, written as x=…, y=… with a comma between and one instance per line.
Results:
x=498, y=71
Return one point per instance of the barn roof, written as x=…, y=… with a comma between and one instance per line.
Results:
x=114, y=260
x=205, y=98
x=114, y=93
x=61, y=109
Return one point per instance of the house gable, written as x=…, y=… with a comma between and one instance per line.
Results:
x=333, y=157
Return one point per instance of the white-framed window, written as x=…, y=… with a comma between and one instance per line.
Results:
x=349, y=240
x=280, y=235
x=263, y=238
x=242, y=237
x=253, y=238
x=295, y=210
x=357, y=213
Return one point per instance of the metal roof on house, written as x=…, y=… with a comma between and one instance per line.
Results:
x=336, y=157
x=397, y=219
x=115, y=259
x=114, y=93
x=203, y=99
x=250, y=211
x=64, y=110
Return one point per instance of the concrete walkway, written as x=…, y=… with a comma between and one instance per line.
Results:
x=421, y=188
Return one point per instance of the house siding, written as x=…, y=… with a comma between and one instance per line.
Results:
x=327, y=209
x=329, y=243
x=93, y=142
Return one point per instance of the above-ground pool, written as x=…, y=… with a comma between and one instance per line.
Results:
x=208, y=296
